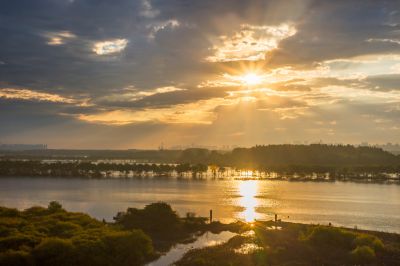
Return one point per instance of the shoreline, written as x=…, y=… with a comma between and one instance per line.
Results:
x=176, y=178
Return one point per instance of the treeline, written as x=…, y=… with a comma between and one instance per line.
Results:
x=94, y=170
x=198, y=170
x=338, y=162
x=286, y=154
x=254, y=157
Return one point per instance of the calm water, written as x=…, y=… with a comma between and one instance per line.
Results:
x=367, y=206
x=206, y=240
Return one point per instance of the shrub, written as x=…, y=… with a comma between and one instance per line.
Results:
x=63, y=229
x=53, y=236
x=363, y=255
x=323, y=236
x=54, y=206
x=368, y=240
x=15, y=258
x=7, y=212
x=127, y=248
x=54, y=251
x=16, y=241
x=155, y=219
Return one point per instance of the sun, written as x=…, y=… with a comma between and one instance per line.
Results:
x=251, y=79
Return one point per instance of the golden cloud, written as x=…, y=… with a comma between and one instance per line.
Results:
x=133, y=94
x=26, y=94
x=250, y=43
x=201, y=112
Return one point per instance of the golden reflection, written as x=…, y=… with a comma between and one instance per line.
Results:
x=248, y=191
x=246, y=173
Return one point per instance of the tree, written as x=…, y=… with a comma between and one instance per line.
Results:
x=54, y=206
x=157, y=219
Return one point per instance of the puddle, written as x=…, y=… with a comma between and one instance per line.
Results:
x=205, y=240
x=273, y=228
x=247, y=248
x=249, y=233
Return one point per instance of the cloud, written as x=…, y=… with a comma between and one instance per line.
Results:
x=58, y=38
x=250, y=43
x=395, y=41
x=30, y=95
x=159, y=26
x=200, y=112
x=130, y=94
x=184, y=72
x=147, y=10
x=110, y=46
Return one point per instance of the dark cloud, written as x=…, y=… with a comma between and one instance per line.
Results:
x=384, y=82
x=339, y=29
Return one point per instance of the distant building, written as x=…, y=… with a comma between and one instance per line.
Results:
x=22, y=147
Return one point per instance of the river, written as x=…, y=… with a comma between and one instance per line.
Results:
x=367, y=206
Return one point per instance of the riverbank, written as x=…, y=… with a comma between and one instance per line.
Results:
x=282, y=243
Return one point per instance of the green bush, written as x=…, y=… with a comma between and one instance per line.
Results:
x=53, y=236
x=156, y=219
x=54, y=206
x=15, y=258
x=54, y=251
x=363, y=255
x=368, y=240
x=63, y=229
x=7, y=212
x=16, y=241
x=323, y=236
x=127, y=248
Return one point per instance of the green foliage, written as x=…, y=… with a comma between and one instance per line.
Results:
x=157, y=219
x=127, y=248
x=54, y=251
x=53, y=236
x=317, y=245
x=54, y=206
x=363, y=255
x=15, y=258
x=329, y=238
x=368, y=240
x=322, y=236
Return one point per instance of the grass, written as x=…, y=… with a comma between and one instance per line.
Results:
x=300, y=244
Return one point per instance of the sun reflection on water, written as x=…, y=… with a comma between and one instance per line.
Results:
x=248, y=190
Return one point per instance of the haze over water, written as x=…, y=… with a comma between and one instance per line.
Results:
x=367, y=206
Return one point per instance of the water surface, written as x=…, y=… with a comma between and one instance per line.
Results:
x=367, y=206
x=206, y=240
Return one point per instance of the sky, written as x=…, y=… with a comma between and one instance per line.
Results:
x=97, y=74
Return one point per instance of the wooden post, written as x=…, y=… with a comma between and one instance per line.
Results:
x=276, y=217
x=210, y=216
